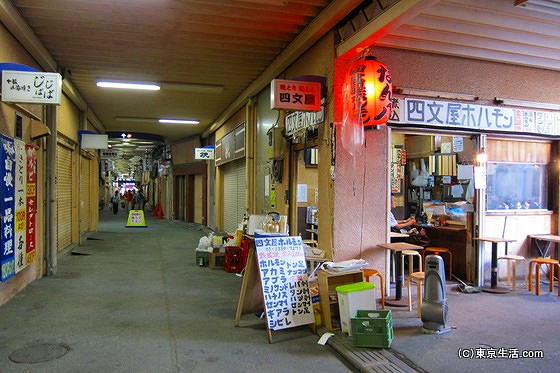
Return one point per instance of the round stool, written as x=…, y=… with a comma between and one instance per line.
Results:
x=538, y=262
x=419, y=278
x=411, y=254
x=511, y=267
x=437, y=251
x=368, y=272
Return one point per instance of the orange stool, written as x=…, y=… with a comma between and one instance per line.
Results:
x=511, y=267
x=419, y=278
x=373, y=272
x=437, y=251
x=538, y=262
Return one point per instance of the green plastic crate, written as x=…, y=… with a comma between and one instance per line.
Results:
x=372, y=328
x=202, y=258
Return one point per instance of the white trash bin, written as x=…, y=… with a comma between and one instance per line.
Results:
x=354, y=297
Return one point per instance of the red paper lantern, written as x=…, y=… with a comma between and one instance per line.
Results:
x=368, y=92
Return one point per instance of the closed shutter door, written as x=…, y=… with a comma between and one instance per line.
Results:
x=85, y=198
x=234, y=194
x=64, y=197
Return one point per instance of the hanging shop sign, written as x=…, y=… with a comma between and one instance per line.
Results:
x=300, y=120
x=295, y=95
x=204, y=153
x=463, y=115
x=108, y=153
x=31, y=87
x=368, y=92
x=231, y=146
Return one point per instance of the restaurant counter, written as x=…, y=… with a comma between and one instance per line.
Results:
x=453, y=237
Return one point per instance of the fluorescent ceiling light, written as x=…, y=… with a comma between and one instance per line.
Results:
x=128, y=85
x=178, y=121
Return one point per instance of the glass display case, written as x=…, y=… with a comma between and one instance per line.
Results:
x=516, y=186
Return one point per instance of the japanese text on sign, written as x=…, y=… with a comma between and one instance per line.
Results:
x=284, y=280
x=31, y=208
x=7, y=207
x=31, y=87
x=295, y=95
x=20, y=205
x=471, y=116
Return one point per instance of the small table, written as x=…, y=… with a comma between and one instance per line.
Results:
x=494, y=288
x=397, y=248
x=546, y=240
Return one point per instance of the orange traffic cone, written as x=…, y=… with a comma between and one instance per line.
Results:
x=159, y=213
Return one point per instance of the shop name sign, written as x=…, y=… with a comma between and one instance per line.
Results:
x=300, y=120
x=31, y=87
x=108, y=153
x=203, y=153
x=295, y=95
x=471, y=116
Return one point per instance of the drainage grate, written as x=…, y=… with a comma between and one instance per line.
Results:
x=368, y=360
x=39, y=352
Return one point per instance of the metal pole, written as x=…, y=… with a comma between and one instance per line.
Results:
x=52, y=204
x=480, y=213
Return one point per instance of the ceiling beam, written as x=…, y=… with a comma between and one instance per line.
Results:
x=10, y=17
x=393, y=17
x=319, y=27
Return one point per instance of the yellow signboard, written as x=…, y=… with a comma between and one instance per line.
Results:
x=136, y=219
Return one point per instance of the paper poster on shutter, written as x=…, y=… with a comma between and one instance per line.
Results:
x=285, y=282
x=7, y=170
x=31, y=209
x=20, y=205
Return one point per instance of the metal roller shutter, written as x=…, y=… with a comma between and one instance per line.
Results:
x=85, y=194
x=234, y=194
x=64, y=197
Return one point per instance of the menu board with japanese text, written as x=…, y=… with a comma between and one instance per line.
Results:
x=18, y=200
x=284, y=278
x=7, y=205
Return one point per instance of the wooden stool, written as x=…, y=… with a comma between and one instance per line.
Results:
x=538, y=262
x=373, y=272
x=511, y=270
x=411, y=254
x=419, y=278
x=437, y=251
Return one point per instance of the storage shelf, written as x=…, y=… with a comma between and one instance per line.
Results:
x=328, y=282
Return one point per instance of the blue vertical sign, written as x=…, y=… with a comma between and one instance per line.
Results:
x=7, y=205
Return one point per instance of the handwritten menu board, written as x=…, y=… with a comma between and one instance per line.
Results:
x=284, y=280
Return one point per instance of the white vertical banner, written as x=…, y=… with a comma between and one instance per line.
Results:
x=20, y=205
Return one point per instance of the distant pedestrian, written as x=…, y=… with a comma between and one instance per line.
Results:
x=115, y=201
x=140, y=200
x=128, y=199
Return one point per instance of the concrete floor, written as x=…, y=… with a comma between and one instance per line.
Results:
x=134, y=300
